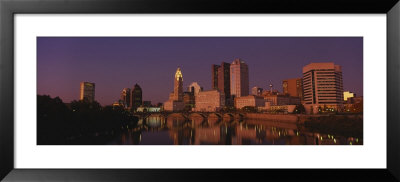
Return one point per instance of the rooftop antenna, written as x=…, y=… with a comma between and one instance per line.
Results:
x=270, y=86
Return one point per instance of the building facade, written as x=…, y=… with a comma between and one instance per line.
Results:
x=239, y=78
x=136, y=97
x=87, y=91
x=348, y=95
x=322, y=86
x=250, y=100
x=189, y=100
x=293, y=87
x=195, y=88
x=209, y=101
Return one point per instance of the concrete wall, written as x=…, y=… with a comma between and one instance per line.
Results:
x=274, y=117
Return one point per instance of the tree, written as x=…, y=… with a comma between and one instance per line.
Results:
x=299, y=109
x=249, y=109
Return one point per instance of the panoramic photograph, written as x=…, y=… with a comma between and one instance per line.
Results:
x=199, y=91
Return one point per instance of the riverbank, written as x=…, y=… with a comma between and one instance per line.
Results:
x=296, y=118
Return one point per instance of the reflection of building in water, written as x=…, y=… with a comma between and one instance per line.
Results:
x=323, y=87
x=181, y=131
x=250, y=100
x=87, y=91
x=209, y=101
x=175, y=102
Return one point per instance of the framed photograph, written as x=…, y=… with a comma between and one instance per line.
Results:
x=130, y=90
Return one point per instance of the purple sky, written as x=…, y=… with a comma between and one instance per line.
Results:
x=114, y=63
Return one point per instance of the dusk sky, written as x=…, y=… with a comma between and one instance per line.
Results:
x=114, y=63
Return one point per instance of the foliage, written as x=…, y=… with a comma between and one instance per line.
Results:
x=249, y=109
x=299, y=109
x=56, y=122
x=350, y=126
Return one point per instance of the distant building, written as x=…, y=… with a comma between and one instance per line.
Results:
x=221, y=79
x=136, y=97
x=126, y=97
x=148, y=109
x=250, y=100
x=175, y=101
x=347, y=95
x=293, y=87
x=146, y=103
x=323, y=87
x=118, y=104
x=209, y=101
x=239, y=78
x=195, y=88
x=172, y=105
x=87, y=91
x=279, y=100
x=256, y=91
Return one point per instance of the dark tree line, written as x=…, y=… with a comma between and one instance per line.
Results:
x=58, y=123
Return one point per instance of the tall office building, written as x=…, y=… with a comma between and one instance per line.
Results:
x=87, y=91
x=214, y=76
x=221, y=78
x=239, y=78
x=322, y=86
x=178, y=85
x=126, y=97
x=293, y=87
x=175, y=101
x=136, y=97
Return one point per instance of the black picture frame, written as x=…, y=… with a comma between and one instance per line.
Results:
x=9, y=8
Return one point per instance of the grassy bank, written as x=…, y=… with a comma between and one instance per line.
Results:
x=344, y=126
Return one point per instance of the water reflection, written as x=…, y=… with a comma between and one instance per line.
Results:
x=177, y=130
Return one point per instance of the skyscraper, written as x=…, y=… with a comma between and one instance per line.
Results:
x=126, y=97
x=239, y=78
x=293, y=87
x=323, y=86
x=87, y=91
x=221, y=80
x=136, y=97
x=178, y=85
x=175, y=101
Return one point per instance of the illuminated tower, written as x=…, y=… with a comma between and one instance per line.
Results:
x=178, y=85
x=126, y=97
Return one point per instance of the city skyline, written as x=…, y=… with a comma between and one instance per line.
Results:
x=120, y=62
